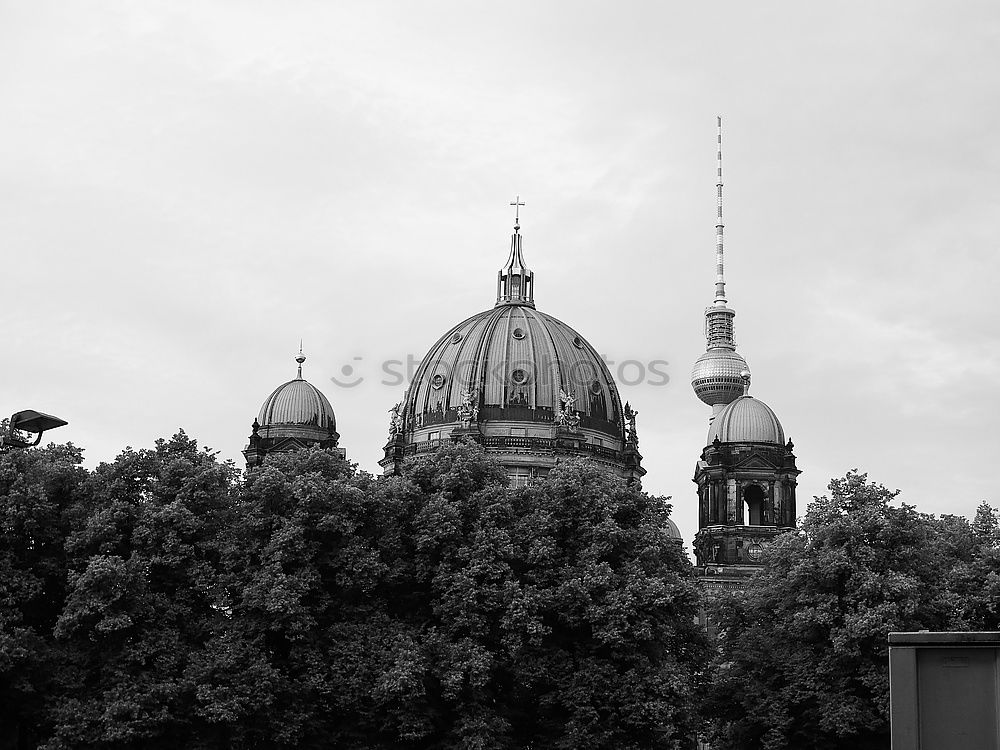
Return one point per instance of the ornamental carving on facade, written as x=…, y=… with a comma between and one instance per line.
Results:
x=631, y=436
x=468, y=410
x=395, y=420
x=567, y=417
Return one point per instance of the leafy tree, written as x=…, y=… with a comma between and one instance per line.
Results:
x=986, y=526
x=142, y=599
x=560, y=615
x=442, y=609
x=12, y=436
x=976, y=582
x=803, y=658
x=156, y=602
x=299, y=572
x=38, y=489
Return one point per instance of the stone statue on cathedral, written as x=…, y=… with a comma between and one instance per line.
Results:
x=468, y=410
x=567, y=417
x=631, y=436
x=395, y=421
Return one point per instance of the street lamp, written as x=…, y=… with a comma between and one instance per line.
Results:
x=28, y=420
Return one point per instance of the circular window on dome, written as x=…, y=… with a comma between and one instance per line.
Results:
x=595, y=388
x=437, y=382
x=456, y=338
x=578, y=342
x=519, y=377
x=518, y=333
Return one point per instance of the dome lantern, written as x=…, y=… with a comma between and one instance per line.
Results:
x=515, y=283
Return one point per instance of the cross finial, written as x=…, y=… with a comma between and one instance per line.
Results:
x=517, y=203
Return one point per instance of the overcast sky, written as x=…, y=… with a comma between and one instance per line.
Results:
x=187, y=188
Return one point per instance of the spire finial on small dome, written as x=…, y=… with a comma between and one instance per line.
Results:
x=300, y=358
x=745, y=377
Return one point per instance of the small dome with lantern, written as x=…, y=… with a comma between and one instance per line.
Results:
x=296, y=415
x=747, y=420
x=674, y=532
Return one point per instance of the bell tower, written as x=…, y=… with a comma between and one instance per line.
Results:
x=746, y=479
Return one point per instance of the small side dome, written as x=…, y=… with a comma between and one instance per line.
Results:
x=673, y=531
x=295, y=416
x=746, y=420
x=297, y=409
x=298, y=402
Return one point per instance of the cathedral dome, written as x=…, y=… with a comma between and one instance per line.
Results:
x=297, y=409
x=674, y=531
x=297, y=402
x=295, y=416
x=517, y=359
x=746, y=420
x=521, y=383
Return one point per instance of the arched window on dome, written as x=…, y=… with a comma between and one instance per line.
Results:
x=753, y=497
x=598, y=404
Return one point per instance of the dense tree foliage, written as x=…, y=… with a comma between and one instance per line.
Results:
x=141, y=601
x=557, y=615
x=163, y=601
x=443, y=609
x=38, y=491
x=803, y=655
x=166, y=600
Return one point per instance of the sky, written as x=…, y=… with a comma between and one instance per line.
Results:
x=188, y=188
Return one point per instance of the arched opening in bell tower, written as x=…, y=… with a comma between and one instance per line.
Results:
x=753, y=497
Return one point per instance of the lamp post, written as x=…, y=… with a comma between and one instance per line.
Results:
x=28, y=420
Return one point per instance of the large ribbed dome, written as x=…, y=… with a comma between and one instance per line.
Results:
x=297, y=402
x=524, y=385
x=747, y=420
x=517, y=358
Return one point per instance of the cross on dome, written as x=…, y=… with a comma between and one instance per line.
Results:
x=517, y=203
